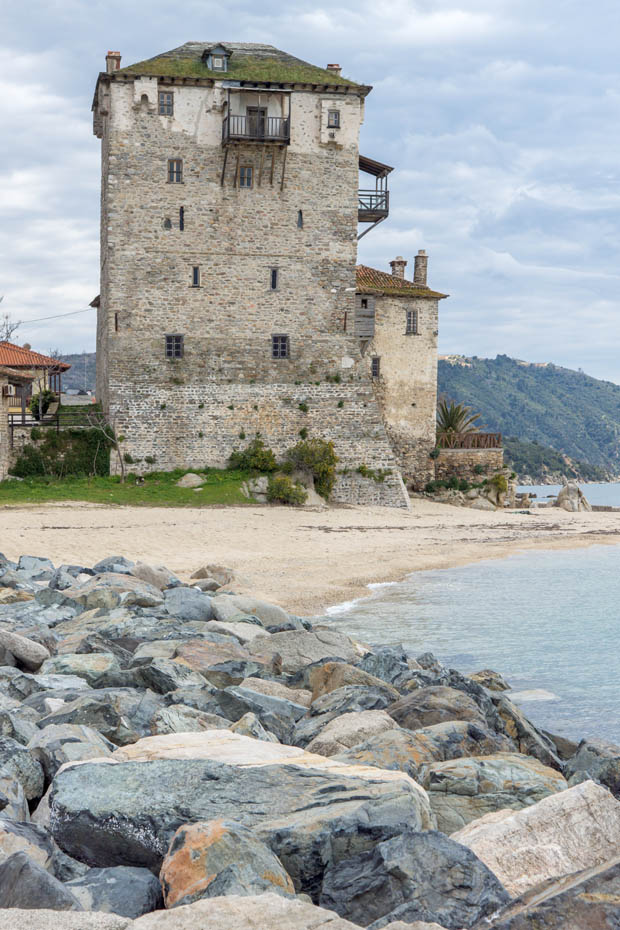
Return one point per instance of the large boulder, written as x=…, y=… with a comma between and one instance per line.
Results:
x=122, y=715
x=268, y=911
x=350, y=729
x=277, y=689
x=414, y=876
x=25, y=884
x=26, y=653
x=389, y=663
x=333, y=675
x=572, y=498
x=126, y=814
x=597, y=760
x=588, y=900
x=437, y=704
x=98, y=669
x=526, y=737
x=17, y=762
x=298, y=650
x=109, y=590
x=231, y=608
x=123, y=890
x=278, y=715
x=156, y=575
x=463, y=790
x=227, y=663
x=200, y=852
x=60, y=743
x=579, y=828
x=28, y=838
x=188, y=604
x=164, y=675
x=408, y=751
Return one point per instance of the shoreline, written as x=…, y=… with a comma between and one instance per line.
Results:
x=304, y=560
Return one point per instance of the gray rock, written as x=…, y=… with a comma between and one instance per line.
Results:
x=98, y=669
x=350, y=729
x=300, y=649
x=122, y=716
x=277, y=715
x=13, y=803
x=44, y=919
x=20, y=685
x=527, y=738
x=111, y=590
x=17, y=726
x=191, y=480
x=164, y=675
x=389, y=663
x=188, y=604
x=351, y=699
x=427, y=706
x=34, y=563
x=114, y=563
x=181, y=718
x=250, y=725
x=156, y=575
x=61, y=743
x=127, y=891
x=18, y=763
x=231, y=608
x=414, y=876
x=27, y=654
x=24, y=884
x=598, y=760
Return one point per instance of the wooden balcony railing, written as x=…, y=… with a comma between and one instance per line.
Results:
x=256, y=129
x=372, y=205
x=470, y=441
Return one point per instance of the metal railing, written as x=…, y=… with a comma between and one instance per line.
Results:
x=372, y=201
x=470, y=441
x=62, y=418
x=256, y=129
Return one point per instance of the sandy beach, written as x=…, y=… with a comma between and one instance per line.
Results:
x=304, y=560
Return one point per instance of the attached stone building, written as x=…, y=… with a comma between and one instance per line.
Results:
x=229, y=300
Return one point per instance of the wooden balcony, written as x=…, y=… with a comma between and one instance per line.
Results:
x=372, y=205
x=259, y=129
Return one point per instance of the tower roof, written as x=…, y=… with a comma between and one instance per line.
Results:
x=373, y=281
x=249, y=61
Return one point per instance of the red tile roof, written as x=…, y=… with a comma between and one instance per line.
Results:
x=371, y=281
x=18, y=357
x=14, y=375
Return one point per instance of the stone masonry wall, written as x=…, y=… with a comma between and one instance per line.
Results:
x=235, y=237
x=407, y=384
x=4, y=431
x=463, y=463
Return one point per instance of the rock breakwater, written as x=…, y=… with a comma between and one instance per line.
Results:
x=176, y=755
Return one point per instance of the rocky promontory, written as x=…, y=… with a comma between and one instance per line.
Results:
x=177, y=755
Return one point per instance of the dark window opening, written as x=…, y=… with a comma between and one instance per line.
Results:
x=167, y=223
x=375, y=366
x=116, y=322
x=333, y=119
x=273, y=279
x=174, y=346
x=181, y=218
x=412, y=322
x=280, y=346
x=166, y=103
x=300, y=220
x=175, y=170
x=364, y=303
x=246, y=173
x=195, y=276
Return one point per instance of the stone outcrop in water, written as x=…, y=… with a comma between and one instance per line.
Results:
x=171, y=756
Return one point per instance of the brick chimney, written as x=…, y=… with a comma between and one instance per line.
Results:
x=398, y=267
x=420, y=268
x=112, y=62
x=335, y=68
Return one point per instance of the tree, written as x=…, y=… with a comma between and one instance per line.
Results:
x=455, y=418
x=8, y=326
x=97, y=421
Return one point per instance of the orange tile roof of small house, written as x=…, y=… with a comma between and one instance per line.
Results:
x=18, y=357
x=14, y=375
x=372, y=281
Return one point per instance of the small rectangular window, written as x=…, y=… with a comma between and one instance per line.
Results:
x=364, y=303
x=412, y=323
x=280, y=346
x=166, y=103
x=375, y=366
x=116, y=322
x=195, y=276
x=174, y=346
x=333, y=119
x=246, y=173
x=181, y=218
x=273, y=279
x=218, y=64
x=175, y=170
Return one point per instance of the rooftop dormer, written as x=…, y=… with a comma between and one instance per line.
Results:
x=216, y=58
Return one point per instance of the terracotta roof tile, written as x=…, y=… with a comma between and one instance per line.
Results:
x=18, y=357
x=372, y=281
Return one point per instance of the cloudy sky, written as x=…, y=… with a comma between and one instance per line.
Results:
x=501, y=117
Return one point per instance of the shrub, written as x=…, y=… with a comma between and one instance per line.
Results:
x=75, y=452
x=479, y=469
x=256, y=457
x=340, y=403
x=377, y=474
x=284, y=491
x=499, y=482
x=303, y=432
x=303, y=407
x=434, y=453
x=128, y=459
x=39, y=403
x=36, y=433
x=316, y=456
x=149, y=459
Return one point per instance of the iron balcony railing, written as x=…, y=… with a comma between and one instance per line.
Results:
x=376, y=203
x=256, y=129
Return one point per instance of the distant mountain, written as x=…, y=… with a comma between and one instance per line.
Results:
x=81, y=375
x=566, y=410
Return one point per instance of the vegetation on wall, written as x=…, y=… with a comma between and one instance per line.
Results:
x=74, y=452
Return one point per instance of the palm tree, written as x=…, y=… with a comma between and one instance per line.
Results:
x=453, y=418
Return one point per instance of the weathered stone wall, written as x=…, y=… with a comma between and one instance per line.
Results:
x=407, y=384
x=235, y=236
x=463, y=463
x=4, y=431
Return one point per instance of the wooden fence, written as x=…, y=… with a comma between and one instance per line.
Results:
x=470, y=441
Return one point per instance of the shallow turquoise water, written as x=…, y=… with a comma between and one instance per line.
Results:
x=545, y=620
x=607, y=494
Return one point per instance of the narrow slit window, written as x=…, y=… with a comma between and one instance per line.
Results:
x=175, y=170
x=375, y=366
x=333, y=119
x=280, y=347
x=166, y=103
x=116, y=322
x=412, y=323
x=273, y=279
x=181, y=218
x=195, y=276
x=300, y=219
x=246, y=176
x=364, y=303
x=174, y=345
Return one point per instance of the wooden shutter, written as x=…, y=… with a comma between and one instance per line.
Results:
x=364, y=317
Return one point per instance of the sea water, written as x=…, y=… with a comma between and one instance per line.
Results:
x=603, y=494
x=548, y=621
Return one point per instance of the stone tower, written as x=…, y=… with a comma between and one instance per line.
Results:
x=229, y=219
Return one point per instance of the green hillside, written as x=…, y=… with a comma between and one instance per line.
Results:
x=567, y=410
